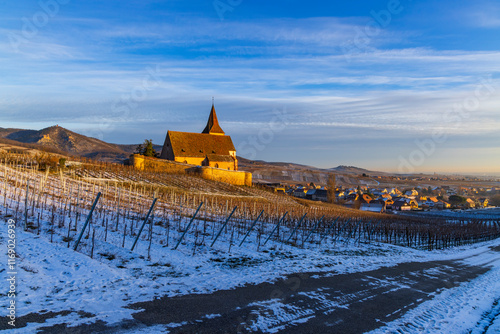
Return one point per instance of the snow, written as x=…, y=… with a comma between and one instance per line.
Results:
x=472, y=307
x=280, y=313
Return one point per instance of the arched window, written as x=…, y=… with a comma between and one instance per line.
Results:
x=216, y=165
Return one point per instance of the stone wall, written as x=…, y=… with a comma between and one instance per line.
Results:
x=157, y=165
x=238, y=178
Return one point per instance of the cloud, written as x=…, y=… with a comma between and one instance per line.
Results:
x=484, y=14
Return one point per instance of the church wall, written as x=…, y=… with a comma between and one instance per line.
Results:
x=157, y=165
x=167, y=151
x=222, y=165
x=233, y=177
x=189, y=160
x=238, y=178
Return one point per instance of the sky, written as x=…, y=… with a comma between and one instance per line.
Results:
x=404, y=86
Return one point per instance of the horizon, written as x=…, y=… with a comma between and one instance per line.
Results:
x=368, y=169
x=392, y=86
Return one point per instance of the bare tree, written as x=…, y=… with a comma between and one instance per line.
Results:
x=331, y=188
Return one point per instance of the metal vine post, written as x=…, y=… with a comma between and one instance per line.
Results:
x=87, y=221
x=144, y=223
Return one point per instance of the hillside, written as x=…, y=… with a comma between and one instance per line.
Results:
x=351, y=170
x=63, y=140
x=16, y=145
x=284, y=172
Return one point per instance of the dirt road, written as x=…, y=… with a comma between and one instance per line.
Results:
x=301, y=303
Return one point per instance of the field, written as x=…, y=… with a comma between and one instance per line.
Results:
x=200, y=236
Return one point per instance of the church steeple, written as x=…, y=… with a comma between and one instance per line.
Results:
x=213, y=126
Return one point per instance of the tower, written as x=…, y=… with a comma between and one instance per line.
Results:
x=213, y=126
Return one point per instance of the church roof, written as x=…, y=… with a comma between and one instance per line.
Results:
x=188, y=144
x=213, y=126
x=219, y=158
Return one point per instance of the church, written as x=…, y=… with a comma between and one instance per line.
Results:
x=211, y=147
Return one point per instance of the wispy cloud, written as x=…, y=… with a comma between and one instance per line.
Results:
x=485, y=14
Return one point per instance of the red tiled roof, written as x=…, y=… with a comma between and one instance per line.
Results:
x=219, y=158
x=188, y=144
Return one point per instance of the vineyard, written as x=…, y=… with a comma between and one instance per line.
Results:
x=196, y=214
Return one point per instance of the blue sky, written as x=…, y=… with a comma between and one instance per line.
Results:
x=387, y=85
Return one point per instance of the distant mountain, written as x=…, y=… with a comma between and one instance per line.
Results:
x=355, y=170
x=5, y=132
x=286, y=172
x=64, y=140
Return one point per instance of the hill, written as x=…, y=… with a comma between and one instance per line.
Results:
x=15, y=145
x=351, y=170
x=286, y=172
x=59, y=139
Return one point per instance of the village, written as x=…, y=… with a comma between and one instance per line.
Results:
x=381, y=199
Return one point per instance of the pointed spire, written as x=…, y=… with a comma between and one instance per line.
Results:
x=213, y=126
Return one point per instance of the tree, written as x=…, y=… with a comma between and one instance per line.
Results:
x=149, y=150
x=495, y=200
x=139, y=149
x=146, y=149
x=330, y=192
x=455, y=199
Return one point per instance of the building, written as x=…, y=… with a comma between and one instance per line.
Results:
x=210, y=155
x=442, y=205
x=317, y=195
x=401, y=205
x=470, y=203
x=431, y=202
x=411, y=193
x=300, y=192
x=395, y=192
x=483, y=202
x=374, y=206
x=211, y=147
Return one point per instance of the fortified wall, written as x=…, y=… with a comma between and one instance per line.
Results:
x=237, y=178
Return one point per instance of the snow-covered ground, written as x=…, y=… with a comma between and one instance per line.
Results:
x=472, y=307
x=483, y=213
x=53, y=278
